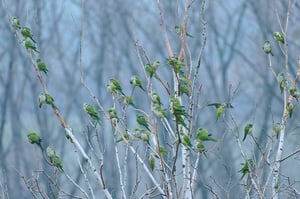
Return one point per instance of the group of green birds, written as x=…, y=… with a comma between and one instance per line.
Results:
x=29, y=42
x=267, y=47
x=55, y=160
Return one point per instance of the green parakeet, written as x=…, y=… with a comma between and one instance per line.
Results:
x=29, y=45
x=91, y=111
x=41, y=66
x=34, y=138
x=179, y=31
x=276, y=129
x=141, y=120
x=247, y=130
x=178, y=111
x=125, y=135
x=247, y=167
x=155, y=98
x=151, y=162
x=220, y=106
x=114, y=87
x=151, y=68
x=113, y=115
x=186, y=140
x=128, y=100
x=203, y=135
x=295, y=93
x=142, y=134
x=162, y=151
x=26, y=32
x=50, y=100
x=54, y=159
x=282, y=81
x=15, y=22
x=267, y=47
x=290, y=108
x=136, y=81
x=278, y=36
x=159, y=111
x=42, y=99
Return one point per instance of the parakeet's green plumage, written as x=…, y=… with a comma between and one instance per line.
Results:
x=220, y=106
x=141, y=120
x=267, y=47
x=203, y=135
x=128, y=100
x=114, y=87
x=91, y=111
x=42, y=99
x=34, y=138
x=278, y=36
x=159, y=111
x=15, y=22
x=290, y=108
x=248, y=130
x=29, y=45
x=26, y=32
x=155, y=98
x=142, y=134
x=295, y=93
x=276, y=129
x=282, y=81
x=42, y=66
x=179, y=31
x=186, y=140
x=54, y=159
x=178, y=111
x=247, y=167
x=136, y=81
x=151, y=68
x=151, y=162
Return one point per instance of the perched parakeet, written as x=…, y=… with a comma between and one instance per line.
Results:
x=136, y=81
x=276, y=129
x=41, y=66
x=247, y=130
x=50, y=100
x=42, y=99
x=203, y=135
x=54, y=159
x=247, y=167
x=26, y=32
x=128, y=100
x=114, y=87
x=186, y=140
x=178, y=111
x=295, y=93
x=278, y=36
x=282, y=81
x=200, y=147
x=184, y=86
x=15, y=22
x=290, y=108
x=151, y=68
x=220, y=106
x=125, y=136
x=34, y=138
x=151, y=162
x=91, y=111
x=142, y=134
x=155, y=98
x=162, y=151
x=159, y=111
x=141, y=120
x=29, y=45
x=113, y=115
x=267, y=47
x=179, y=31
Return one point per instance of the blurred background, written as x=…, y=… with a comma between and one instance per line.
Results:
x=234, y=68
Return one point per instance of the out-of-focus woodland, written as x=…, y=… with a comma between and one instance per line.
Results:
x=189, y=55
